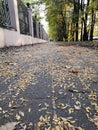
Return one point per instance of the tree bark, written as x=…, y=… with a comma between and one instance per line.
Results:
x=85, y=34
x=77, y=19
x=92, y=25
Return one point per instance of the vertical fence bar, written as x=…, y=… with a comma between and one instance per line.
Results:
x=4, y=14
x=23, y=18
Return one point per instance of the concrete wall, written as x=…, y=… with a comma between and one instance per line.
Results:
x=12, y=37
x=2, y=40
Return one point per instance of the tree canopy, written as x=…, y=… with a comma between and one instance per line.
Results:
x=70, y=20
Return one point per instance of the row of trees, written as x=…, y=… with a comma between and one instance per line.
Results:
x=71, y=20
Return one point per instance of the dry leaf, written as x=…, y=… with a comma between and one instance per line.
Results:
x=29, y=110
x=71, y=110
x=95, y=121
x=73, y=70
x=0, y=108
x=78, y=128
x=57, y=128
x=18, y=117
x=88, y=109
x=21, y=113
x=46, y=104
x=10, y=104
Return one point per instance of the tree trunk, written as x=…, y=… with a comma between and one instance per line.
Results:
x=81, y=35
x=81, y=30
x=85, y=34
x=77, y=19
x=64, y=28
x=73, y=21
x=92, y=25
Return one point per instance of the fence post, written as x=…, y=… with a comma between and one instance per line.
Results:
x=30, y=21
x=37, y=28
x=43, y=34
x=41, y=31
x=13, y=8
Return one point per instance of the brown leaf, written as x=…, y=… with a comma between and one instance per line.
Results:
x=73, y=70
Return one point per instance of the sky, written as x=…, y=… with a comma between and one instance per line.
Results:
x=42, y=14
x=43, y=17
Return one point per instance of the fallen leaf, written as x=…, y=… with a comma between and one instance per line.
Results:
x=21, y=113
x=29, y=109
x=73, y=70
x=0, y=108
x=95, y=121
x=10, y=104
x=57, y=128
x=46, y=104
x=88, y=109
x=18, y=117
x=71, y=110
x=78, y=128
x=77, y=107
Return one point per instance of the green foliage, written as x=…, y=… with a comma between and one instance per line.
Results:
x=35, y=4
x=69, y=20
x=56, y=13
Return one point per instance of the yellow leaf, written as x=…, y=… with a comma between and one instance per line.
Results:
x=43, y=119
x=47, y=105
x=21, y=113
x=79, y=128
x=61, y=105
x=10, y=105
x=88, y=109
x=77, y=107
x=18, y=117
x=0, y=108
x=57, y=128
x=49, y=128
x=29, y=110
x=95, y=120
x=71, y=110
x=55, y=118
x=65, y=86
x=73, y=122
x=88, y=116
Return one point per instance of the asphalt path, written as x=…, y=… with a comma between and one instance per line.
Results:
x=49, y=87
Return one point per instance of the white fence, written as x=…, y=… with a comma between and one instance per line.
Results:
x=12, y=36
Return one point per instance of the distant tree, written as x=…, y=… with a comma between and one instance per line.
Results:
x=93, y=8
x=69, y=20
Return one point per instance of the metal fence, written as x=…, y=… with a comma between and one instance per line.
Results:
x=4, y=14
x=34, y=27
x=23, y=18
x=38, y=30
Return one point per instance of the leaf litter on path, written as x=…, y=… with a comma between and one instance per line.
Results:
x=71, y=68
